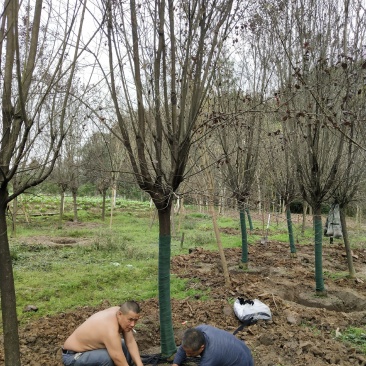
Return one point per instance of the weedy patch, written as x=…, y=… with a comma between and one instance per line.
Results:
x=355, y=337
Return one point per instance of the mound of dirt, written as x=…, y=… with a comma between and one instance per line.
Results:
x=304, y=330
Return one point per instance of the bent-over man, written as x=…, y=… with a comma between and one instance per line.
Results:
x=215, y=346
x=98, y=340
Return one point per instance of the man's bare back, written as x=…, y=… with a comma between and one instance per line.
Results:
x=103, y=331
x=93, y=332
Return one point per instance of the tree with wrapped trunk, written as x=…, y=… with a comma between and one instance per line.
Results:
x=352, y=172
x=163, y=57
x=282, y=174
x=238, y=118
x=240, y=144
x=351, y=79
x=37, y=71
x=311, y=99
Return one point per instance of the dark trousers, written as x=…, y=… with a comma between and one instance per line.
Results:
x=98, y=357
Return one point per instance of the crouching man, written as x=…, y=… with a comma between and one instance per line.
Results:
x=98, y=340
x=216, y=347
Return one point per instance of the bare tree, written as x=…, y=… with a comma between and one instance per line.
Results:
x=237, y=119
x=351, y=79
x=97, y=161
x=60, y=178
x=36, y=77
x=163, y=57
x=240, y=145
x=282, y=173
x=311, y=99
x=103, y=162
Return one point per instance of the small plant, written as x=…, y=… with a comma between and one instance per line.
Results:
x=15, y=253
x=199, y=215
x=313, y=328
x=77, y=233
x=202, y=238
x=228, y=221
x=355, y=337
x=189, y=225
x=282, y=237
x=336, y=275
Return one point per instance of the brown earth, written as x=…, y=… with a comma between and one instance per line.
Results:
x=304, y=327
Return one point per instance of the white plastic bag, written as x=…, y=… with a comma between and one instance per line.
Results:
x=251, y=309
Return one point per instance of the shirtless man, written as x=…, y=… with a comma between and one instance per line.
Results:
x=98, y=340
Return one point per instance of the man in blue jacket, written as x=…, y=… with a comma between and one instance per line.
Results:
x=215, y=346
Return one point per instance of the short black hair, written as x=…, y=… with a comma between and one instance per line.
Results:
x=128, y=306
x=193, y=339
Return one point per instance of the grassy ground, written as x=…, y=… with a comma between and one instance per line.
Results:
x=94, y=260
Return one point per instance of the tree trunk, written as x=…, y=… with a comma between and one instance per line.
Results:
x=351, y=268
x=222, y=201
x=8, y=299
x=244, y=240
x=168, y=347
x=75, y=205
x=318, y=228
x=103, y=204
x=219, y=244
x=358, y=216
x=180, y=213
x=173, y=233
x=62, y=203
x=304, y=210
x=259, y=195
x=111, y=216
x=200, y=204
x=114, y=195
x=14, y=217
x=24, y=209
x=211, y=209
x=290, y=230
x=249, y=219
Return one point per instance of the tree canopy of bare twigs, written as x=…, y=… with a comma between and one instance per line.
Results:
x=162, y=60
x=38, y=67
x=171, y=75
x=318, y=46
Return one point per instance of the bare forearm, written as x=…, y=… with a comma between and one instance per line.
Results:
x=134, y=353
x=136, y=359
x=119, y=361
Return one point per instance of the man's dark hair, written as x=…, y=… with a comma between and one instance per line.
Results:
x=193, y=339
x=128, y=306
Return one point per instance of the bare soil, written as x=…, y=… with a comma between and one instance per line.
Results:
x=304, y=330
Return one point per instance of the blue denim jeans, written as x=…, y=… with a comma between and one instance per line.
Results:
x=98, y=357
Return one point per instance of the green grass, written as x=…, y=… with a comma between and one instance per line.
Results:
x=355, y=337
x=118, y=262
x=58, y=279
x=336, y=275
x=312, y=327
